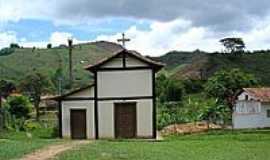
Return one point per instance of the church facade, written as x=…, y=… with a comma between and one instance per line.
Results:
x=119, y=104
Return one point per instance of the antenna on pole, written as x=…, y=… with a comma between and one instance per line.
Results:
x=123, y=40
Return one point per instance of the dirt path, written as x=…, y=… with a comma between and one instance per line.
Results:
x=51, y=151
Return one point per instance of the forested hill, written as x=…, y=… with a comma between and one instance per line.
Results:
x=48, y=61
x=195, y=65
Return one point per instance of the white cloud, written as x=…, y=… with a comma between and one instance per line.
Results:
x=181, y=35
x=163, y=37
x=55, y=39
x=6, y=38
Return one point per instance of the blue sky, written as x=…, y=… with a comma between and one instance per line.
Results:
x=155, y=27
x=41, y=30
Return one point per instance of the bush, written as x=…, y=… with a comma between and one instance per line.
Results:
x=31, y=125
x=19, y=106
x=193, y=86
x=6, y=51
x=49, y=46
x=14, y=45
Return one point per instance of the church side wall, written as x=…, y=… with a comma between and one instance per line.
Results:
x=82, y=104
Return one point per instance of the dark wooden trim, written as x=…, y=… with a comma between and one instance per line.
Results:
x=77, y=98
x=124, y=60
x=124, y=98
x=96, y=105
x=125, y=69
x=60, y=119
x=154, y=104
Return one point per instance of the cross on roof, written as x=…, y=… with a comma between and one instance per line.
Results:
x=123, y=40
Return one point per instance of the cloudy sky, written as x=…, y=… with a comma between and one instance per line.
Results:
x=154, y=26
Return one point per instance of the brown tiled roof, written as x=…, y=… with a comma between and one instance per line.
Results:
x=261, y=94
x=58, y=97
x=156, y=65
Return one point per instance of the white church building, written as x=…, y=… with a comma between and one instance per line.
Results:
x=252, y=109
x=119, y=104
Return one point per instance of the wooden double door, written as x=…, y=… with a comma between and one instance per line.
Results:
x=78, y=123
x=125, y=120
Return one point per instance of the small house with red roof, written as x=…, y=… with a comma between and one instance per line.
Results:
x=252, y=108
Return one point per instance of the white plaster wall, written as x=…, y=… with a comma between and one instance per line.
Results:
x=242, y=96
x=144, y=118
x=115, y=62
x=88, y=92
x=84, y=104
x=124, y=83
x=252, y=120
x=133, y=62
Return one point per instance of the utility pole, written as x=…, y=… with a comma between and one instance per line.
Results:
x=60, y=79
x=123, y=40
x=70, y=60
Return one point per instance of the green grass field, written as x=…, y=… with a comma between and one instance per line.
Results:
x=211, y=146
x=16, y=144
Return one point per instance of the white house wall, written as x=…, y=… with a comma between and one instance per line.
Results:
x=124, y=83
x=114, y=63
x=252, y=120
x=88, y=92
x=90, y=122
x=133, y=62
x=243, y=95
x=144, y=118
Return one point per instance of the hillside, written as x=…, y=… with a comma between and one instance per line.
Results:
x=180, y=64
x=47, y=61
x=195, y=65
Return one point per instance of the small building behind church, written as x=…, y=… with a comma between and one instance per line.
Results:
x=119, y=104
x=252, y=109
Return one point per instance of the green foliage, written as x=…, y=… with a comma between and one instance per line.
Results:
x=14, y=45
x=35, y=85
x=6, y=87
x=19, y=106
x=192, y=86
x=20, y=63
x=30, y=125
x=169, y=90
x=233, y=45
x=49, y=46
x=227, y=84
x=6, y=51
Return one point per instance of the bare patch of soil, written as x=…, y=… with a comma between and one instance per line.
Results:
x=51, y=151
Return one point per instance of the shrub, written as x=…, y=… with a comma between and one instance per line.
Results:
x=19, y=106
x=49, y=45
x=14, y=45
x=31, y=125
x=6, y=51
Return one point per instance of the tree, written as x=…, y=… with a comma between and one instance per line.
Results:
x=6, y=87
x=233, y=45
x=169, y=90
x=14, y=45
x=227, y=84
x=19, y=106
x=49, y=45
x=35, y=85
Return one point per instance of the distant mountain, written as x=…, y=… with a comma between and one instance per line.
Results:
x=197, y=65
x=180, y=64
x=24, y=60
